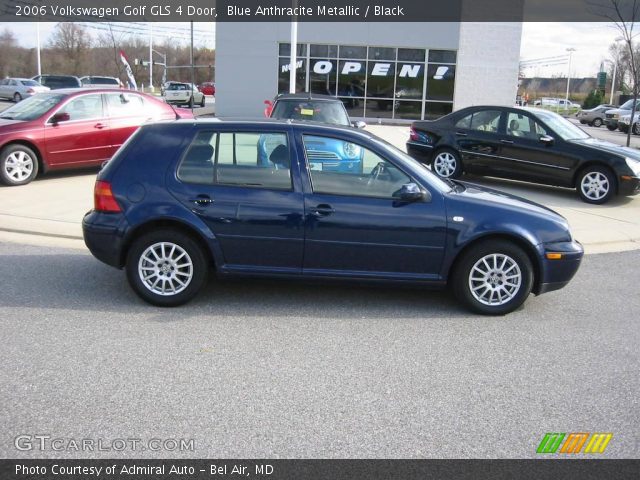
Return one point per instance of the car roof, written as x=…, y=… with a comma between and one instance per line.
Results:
x=307, y=96
x=78, y=90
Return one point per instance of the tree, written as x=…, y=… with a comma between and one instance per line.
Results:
x=72, y=42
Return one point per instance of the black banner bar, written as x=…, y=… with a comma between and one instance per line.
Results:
x=565, y=469
x=317, y=10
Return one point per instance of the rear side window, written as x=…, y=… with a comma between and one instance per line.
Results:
x=238, y=159
x=484, y=121
x=124, y=104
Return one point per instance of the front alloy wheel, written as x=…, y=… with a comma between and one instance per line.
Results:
x=18, y=165
x=493, y=277
x=596, y=185
x=166, y=268
x=446, y=164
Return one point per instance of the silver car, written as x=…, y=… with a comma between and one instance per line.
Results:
x=17, y=89
x=594, y=116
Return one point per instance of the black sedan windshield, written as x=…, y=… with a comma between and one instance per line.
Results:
x=564, y=128
x=325, y=112
x=33, y=107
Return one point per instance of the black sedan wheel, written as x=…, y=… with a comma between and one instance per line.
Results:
x=446, y=163
x=596, y=185
x=611, y=127
x=597, y=122
x=493, y=277
x=166, y=268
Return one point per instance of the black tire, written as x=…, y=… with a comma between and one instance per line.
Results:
x=464, y=269
x=198, y=272
x=599, y=176
x=582, y=122
x=635, y=129
x=611, y=128
x=597, y=122
x=446, y=163
x=190, y=102
x=17, y=97
x=202, y=102
x=25, y=161
x=623, y=129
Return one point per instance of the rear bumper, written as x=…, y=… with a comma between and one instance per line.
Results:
x=420, y=152
x=104, y=236
x=556, y=274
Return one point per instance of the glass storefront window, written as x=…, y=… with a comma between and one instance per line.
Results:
x=409, y=81
x=381, y=79
x=411, y=54
x=323, y=51
x=434, y=110
x=382, y=53
x=322, y=77
x=285, y=49
x=354, y=106
x=283, y=75
x=442, y=56
x=408, y=110
x=353, y=52
x=379, y=108
x=440, y=82
x=352, y=77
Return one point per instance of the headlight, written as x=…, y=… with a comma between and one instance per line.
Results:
x=351, y=150
x=634, y=165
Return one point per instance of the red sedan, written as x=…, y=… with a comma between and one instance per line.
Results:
x=72, y=128
x=208, y=88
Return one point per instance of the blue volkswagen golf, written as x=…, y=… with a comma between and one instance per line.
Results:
x=182, y=198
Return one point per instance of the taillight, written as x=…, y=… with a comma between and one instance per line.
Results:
x=31, y=90
x=103, y=199
x=413, y=135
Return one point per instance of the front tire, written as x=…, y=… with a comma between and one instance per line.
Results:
x=494, y=277
x=166, y=268
x=596, y=185
x=611, y=128
x=18, y=165
x=447, y=163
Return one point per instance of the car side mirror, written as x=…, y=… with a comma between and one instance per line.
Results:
x=359, y=124
x=60, y=117
x=547, y=139
x=411, y=192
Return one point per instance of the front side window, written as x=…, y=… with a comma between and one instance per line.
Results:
x=519, y=125
x=339, y=167
x=84, y=107
x=238, y=159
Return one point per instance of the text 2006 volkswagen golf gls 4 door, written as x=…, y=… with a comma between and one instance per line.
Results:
x=183, y=197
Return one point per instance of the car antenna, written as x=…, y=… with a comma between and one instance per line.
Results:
x=178, y=117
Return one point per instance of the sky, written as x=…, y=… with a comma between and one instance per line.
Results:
x=539, y=40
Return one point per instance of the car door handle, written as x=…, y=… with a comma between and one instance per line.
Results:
x=322, y=210
x=461, y=134
x=508, y=142
x=99, y=126
x=202, y=200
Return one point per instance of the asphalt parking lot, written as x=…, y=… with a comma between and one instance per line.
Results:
x=270, y=369
x=256, y=369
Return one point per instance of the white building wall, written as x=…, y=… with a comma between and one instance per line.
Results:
x=488, y=63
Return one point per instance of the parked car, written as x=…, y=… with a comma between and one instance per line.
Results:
x=555, y=102
x=101, y=82
x=323, y=154
x=612, y=116
x=594, y=116
x=71, y=128
x=624, y=122
x=167, y=210
x=208, y=88
x=55, y=82
x=530, y=144
x=183, y=94
x=17, y=89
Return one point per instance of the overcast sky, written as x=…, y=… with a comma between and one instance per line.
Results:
x=539, y=40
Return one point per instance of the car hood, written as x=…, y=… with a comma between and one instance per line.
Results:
x=607, y=147
x=5, y=122
x=619, y=111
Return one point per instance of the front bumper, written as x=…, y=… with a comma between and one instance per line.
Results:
x=628, y=185
x=104, y=236
x=611, y=121
x=556, y=274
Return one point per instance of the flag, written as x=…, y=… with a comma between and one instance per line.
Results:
x=127, y=67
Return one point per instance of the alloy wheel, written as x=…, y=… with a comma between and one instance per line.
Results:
x=165, y=268
x=18, y=166
x=594, y=186
x=495, y=279
x=445, y=164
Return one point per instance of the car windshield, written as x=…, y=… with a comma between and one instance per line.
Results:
x=562, y=127
x=627, y=105
x=323, y=111
x=33, y=107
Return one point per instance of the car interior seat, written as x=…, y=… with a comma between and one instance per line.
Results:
x=280, y=157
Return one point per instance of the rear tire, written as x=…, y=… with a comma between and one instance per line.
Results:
x=17, y=97
x=190, y=102
x=493, y=277
x=166, y=268
x=597, y=122
x=447, y=163
x=202, y=102
x=636, y=129
x=596, y=184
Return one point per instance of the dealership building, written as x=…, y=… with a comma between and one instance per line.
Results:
x=384, y=72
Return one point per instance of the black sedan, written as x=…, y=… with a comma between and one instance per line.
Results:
x=528, y=144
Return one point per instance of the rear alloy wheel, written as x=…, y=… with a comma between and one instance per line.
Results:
x=447, y=164
x=17, y=97
x=597, y=122
x=596, y=185
x=18, y=165
x=166, y=268
x=493, y=277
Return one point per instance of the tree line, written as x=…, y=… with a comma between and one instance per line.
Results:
x=71, y=50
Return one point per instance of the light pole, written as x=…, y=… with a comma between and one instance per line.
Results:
x=566, y=103
x=294, y=50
